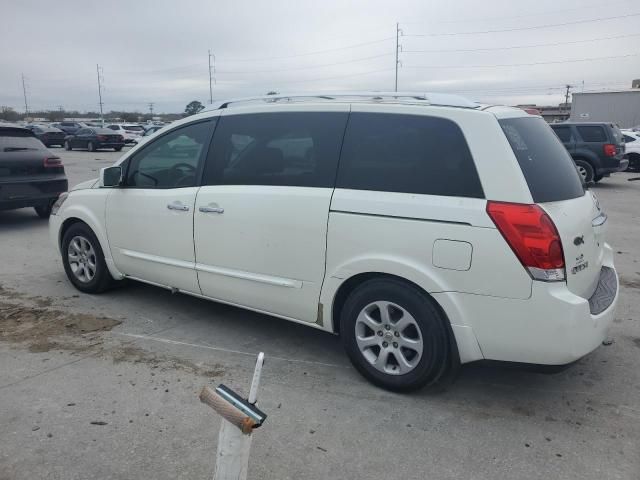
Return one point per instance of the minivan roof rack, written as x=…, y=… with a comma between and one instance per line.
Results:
x=439, y=99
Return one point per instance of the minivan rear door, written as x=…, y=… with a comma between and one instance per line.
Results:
x=556, y=186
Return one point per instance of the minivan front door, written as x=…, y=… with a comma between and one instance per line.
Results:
x=150, y=219
x=260, y=223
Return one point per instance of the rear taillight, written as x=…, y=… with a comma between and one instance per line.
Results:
x=52, y=162
x=532, y=236
x=609, y=149
x=102, y=138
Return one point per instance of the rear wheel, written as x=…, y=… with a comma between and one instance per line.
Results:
x=396, y=337
x=585, y=170
x=83, y=260
x=597, y=178
x=91, y=147
x=117, y=149
x=67, y=145
x=43, y=211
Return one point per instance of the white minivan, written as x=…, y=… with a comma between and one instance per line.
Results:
x=426, y=230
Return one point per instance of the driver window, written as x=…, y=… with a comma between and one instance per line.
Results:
x=172, y=160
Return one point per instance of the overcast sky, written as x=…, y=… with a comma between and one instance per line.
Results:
x=156, y=50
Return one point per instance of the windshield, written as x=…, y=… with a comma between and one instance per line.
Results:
x=545, y=162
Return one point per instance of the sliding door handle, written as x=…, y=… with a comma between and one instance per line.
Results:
x=211, y=210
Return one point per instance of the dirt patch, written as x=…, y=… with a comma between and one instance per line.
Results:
x=629, y=283
x=43, y=329
x=30, y=322
x=133, y=354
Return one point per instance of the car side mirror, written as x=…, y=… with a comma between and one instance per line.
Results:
x=111, y=176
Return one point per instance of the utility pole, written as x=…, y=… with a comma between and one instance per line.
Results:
x=398, y=50
x=151, y=108
x=566, y=96
x=212, y=71
x=24, y=91
x=100, y=94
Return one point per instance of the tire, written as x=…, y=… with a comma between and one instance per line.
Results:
x=634, y=162
x=585, y=170
x=44, y=211
x=67, y=145
x=91, y=147
x=117, y=149
x=430, y=354
x=597, y=178
x=90, y=273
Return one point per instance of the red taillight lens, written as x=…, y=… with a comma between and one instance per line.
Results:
x=52, y=162
x=609, y=150
x=102, y=138
x=532, y=236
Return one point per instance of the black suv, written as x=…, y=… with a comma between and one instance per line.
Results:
x=596, y=148
x=30, y=175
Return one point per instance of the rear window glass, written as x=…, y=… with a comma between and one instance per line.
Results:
x=617, y=134
x=15, y=141
x=592, y=133
x=547, y=166
x=408, y=154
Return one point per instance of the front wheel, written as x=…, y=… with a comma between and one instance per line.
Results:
x=83, y=260
x=585, y=170
x=396, y=337
x=117, y=149
x=67, y=145
x=91, y=147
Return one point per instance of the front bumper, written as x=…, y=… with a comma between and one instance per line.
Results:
x=55, y=222
x=110, y=145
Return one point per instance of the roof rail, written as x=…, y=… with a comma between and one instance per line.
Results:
x=440, y=99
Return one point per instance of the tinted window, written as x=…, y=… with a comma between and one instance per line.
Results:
x=592, y=133
x=113, y=127
x=83, y=131
x=407, y=153
x=284, y=148
x=172, y=160
x=547, y=166
x=16, y=140
x=563, y=133
x=628, y=139
x=136, y=128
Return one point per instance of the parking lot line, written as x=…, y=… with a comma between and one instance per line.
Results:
x=227, y=350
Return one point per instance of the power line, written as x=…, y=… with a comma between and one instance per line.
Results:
x=340, y=76
x=525, y=64
x=523, y=46
x=308, y=67
x=535, y=27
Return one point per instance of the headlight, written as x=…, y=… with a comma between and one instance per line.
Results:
x=58, y=203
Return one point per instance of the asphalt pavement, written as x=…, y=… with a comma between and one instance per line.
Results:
x=105, y=386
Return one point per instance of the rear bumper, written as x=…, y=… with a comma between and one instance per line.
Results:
x=30, y=193
x=619, y=167
x=110, y=145
x=552, y=327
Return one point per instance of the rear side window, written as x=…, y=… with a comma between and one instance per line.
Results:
x=408, y=154
x=628, y=139
x=564, y=134
x=282, y=148
x=592, y=133
x=547, y=166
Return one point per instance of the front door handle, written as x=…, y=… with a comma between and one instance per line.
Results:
x=211, y=210
x=181, y=207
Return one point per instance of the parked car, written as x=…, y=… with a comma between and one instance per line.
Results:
x=597, y=148
x=69, y=127
x=49, y=136
x=632, y=149
x=30, y=175
x=129, y=132
x=94, y=139
x=426, y=232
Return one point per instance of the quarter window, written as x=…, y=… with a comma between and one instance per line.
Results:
x=282, y=148
x=171, y=161
x=407, y=153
